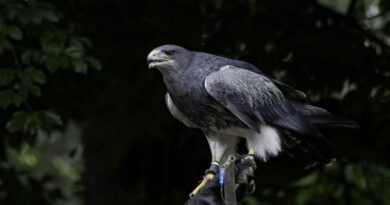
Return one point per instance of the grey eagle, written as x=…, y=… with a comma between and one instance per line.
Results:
x=229, y=99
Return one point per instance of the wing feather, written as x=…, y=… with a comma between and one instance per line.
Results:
x=254, y=99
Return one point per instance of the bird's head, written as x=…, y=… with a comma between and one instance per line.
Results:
x=169, y=58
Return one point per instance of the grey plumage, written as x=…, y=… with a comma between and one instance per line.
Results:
x=243, y=93
x=227, y=99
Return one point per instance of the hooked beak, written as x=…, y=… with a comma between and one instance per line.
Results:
x=156, y=58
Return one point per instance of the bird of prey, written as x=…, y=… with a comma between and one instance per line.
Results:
x=229, y=99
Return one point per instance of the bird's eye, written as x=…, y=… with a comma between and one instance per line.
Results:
x=169, y=53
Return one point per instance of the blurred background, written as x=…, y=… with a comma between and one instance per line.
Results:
x=83, y=121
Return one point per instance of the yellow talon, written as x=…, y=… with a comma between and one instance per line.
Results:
x=207, y=178
x=251, y=151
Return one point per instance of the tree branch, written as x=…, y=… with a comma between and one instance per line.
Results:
x=350, y=21
x=16, y=59
x=351, y=8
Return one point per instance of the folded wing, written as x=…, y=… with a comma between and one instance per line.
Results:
x=254, y=99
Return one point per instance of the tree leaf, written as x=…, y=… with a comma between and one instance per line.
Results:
x=51, y=16
x=36, y=75
x=15, y=33
x=17, y=122
x=5, y=44
x=50, y=118
x=80, y=67
x=53, y=48
x=26, y=57
x=35, y=90
x=95, y=63
x=7, y=76
x=85, y=41
x=19, y=97
x=32, y=121
x=6, y=98
x=75, y=51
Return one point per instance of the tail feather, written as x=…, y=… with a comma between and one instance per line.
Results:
x=320, y=117
x=308, y=150
x=298, y=152
x=332, y=121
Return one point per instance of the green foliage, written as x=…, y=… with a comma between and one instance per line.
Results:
x=344, y=184
x=352, y=183
x=13, y=32
x=18, y=84
x=35, y=43
x=54, y=159
x=33, y=121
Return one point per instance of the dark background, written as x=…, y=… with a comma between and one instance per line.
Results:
x=83, y=121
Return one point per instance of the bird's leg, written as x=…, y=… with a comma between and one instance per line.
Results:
x=210, y=173
x=221, y=147
x=250, y=156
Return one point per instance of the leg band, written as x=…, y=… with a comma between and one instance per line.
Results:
x=214, y=168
